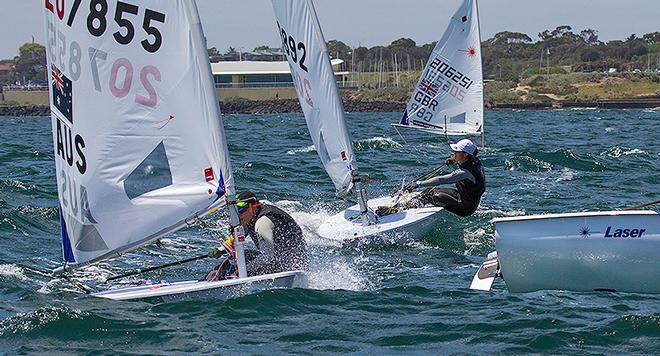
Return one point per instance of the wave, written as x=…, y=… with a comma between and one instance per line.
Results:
x=527, y=164
x=13, y=185
x=12, y=271
x=497, y=213
x=566, y=175
x=478, y=241
x=618, y=151
x=307, y=149
x=541, y=161
x=27, y=219
x=376, y=143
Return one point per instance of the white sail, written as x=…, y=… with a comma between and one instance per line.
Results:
x=303, y=42
x=449, y=94
x=139, y=142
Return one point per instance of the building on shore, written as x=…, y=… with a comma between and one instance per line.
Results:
x=264, y=80
x=265, y=74
x=4, y=68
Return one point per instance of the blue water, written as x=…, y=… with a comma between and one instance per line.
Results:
x=389, y=299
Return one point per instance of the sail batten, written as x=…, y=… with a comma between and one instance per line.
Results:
x=316, y=86
x=448, y=97
x=137, y=132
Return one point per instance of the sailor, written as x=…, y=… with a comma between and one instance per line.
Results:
x=469, y=178
x=278, y=238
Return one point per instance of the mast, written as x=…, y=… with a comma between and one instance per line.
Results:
x=481, y=58
x=229, y=191
x=360, y=191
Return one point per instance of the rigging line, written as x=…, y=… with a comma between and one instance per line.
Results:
x=400, y=135
x=140, y=271
x=47, y=273
x=77, y=283
x=635, y=207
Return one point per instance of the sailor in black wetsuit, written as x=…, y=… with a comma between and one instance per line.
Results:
x=278, y=238
x=469, y=179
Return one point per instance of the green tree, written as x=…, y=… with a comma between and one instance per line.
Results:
x=507, y=37
x=261, y=48
x=30, y=63
x=402, y=43
x=589, y=36
x=338, y=48
x=589, y=55
x=652, y=37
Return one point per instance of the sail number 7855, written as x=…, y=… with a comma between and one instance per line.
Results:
x=292, y=48
x=97, y=21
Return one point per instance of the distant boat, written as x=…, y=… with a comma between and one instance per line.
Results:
x=302, y=40
x=448, y=99
x=589, y=251
x=140, y=150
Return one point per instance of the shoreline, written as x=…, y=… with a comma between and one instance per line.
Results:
x=284, y=106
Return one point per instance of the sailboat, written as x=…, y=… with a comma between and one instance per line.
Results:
x=304, y=45
x=448, y=98
x=140, y=150
x=585, y=251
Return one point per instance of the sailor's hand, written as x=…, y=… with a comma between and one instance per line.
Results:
x=450, y=161
x=410, y=186
x=217, y=252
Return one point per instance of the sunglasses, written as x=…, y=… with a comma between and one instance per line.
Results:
x=243, y=205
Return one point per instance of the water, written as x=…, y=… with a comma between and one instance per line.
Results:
x=390, y=299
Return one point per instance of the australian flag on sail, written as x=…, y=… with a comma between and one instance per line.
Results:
x=429, y=87
x=62, y=89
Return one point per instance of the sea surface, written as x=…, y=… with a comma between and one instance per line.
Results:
x=389, y=299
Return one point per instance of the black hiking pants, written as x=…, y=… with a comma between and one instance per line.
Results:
x=446, y=198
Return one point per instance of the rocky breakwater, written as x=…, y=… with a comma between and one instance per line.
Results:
x=293, y=106
x=23, y=111
x=280, y=106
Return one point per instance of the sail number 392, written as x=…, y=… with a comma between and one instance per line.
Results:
x=97, y=22
x=293, y=48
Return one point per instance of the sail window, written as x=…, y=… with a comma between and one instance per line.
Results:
x=153, y=173
x=458, y=119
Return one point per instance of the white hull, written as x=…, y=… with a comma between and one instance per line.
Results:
x=614, y=250
x=346, y=226
x=438, y=131
x=203, y=290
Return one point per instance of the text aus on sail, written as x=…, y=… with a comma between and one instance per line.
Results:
x=124, y=25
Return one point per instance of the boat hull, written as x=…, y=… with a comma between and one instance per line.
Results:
x=203, y=290
x=614, y=251
x=346, y=226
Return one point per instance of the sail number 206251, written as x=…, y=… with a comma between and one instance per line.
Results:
x=97, y=21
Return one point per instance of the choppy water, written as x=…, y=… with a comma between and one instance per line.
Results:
x=389, y=299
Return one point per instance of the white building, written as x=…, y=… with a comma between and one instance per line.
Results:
x=251, y=74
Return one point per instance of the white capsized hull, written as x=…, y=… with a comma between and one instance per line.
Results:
x=610, y=250
x=203, y=290
x=346, y=226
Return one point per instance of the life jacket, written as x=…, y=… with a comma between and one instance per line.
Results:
x=289, y=244
x=471, y=192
